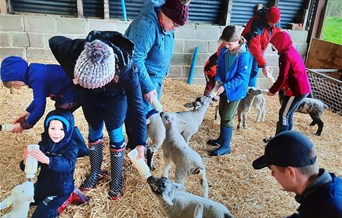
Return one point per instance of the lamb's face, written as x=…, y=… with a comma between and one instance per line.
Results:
x=24, y=192
x=159, y=185
x=253, y=91
x=167, y=119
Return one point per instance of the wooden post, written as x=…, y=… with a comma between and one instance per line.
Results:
x=106, y=9
x=6, y=7
x=3, y=6
x=80, y=8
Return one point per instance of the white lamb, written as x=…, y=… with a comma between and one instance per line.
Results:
x=178, y=203
x=20, y=199
x=175, y=149
x=253, y=98
x=193, y=119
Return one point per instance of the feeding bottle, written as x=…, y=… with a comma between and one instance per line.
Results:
x=140, y=165
x=6, y=127
x=156, y=103
x=213, y=92
x=31, y=164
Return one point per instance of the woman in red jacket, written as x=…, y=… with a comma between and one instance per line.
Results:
x=292, y=78
x=258, y=32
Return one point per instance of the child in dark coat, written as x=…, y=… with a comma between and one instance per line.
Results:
x=57, y=158
x=46, y=80
x=109, y=84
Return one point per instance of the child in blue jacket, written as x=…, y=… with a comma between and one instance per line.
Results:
x=233, y=70
x=45, y=80
x=57, y=156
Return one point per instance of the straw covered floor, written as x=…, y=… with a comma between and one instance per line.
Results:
x=232, y=180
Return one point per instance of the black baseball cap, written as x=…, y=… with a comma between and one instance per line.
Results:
x=289, y=148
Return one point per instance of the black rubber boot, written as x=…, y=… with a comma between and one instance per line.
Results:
x=226, y=134
x=116, y=163
x=95, y=152
x=281, y=127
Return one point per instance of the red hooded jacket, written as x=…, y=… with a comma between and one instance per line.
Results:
x=292, y=73
x=258, y=34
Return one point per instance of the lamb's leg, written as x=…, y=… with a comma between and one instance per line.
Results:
x=149, y=158
x=244, y=120
x=167, y=164
x=239, y=119
x=150, y=153
x=313, y=117
x=259, y=116
x=320, y=126
x=263, y=115
x=204, y=182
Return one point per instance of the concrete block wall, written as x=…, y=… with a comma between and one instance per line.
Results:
x=27, y=36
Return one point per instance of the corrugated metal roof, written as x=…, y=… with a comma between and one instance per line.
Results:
x=93, y=8
x=204, y=11
x=60, y=7
x=291, y=11
x=243, y=10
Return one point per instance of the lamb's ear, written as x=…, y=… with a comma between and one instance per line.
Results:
x=6, y=203
x=167, y=198
x=178, y=187
x=198, y=213
x=189, y=104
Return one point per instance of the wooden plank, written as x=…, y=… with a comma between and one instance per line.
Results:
x=80, y=8
x=324, y=55
x=3, y=6
x=106, y=9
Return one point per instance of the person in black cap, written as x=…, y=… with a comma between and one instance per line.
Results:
x=292, y=158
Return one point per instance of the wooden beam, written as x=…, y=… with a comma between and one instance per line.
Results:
x=3, y=6
x=106, y=9
x=324, y=55
x=80, y=8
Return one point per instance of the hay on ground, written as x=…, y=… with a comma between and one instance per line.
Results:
x=232, y=180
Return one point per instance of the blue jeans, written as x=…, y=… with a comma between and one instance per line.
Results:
x=289, y=106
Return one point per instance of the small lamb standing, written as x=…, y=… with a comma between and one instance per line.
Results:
x=175, y=149
x=178, y=203
x=311, y=106
x=20, y=199
x=193, y=119
x=315, y=109
x=253, y=98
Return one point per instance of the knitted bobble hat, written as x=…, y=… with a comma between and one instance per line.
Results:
x=176, y=10
x=95, y=66
x=273, y=15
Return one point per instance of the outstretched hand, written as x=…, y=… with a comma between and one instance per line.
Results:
x=148, y=96
x=141, y=151
x=266, y=71
x=39, y=155
x=17, y=128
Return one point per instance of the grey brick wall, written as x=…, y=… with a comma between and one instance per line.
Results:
x=27, y=36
